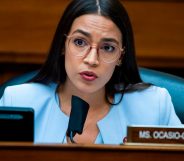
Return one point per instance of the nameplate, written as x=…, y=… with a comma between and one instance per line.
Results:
x=154, y=134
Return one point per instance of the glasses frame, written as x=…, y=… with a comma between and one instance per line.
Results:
x=121, y=50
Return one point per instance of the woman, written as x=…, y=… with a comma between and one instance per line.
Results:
x=92, y=56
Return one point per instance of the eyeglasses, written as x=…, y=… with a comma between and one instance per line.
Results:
x=107, y=51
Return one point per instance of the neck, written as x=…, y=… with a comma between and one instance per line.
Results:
x=96, y=100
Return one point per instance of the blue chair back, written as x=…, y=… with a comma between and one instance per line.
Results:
x=174, y=84
x=17, y=80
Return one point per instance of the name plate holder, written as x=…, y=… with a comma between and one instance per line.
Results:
x=155, y=134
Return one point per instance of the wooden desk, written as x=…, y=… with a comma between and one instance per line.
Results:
x=29, y=152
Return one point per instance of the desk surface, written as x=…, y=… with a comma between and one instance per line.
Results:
x=57, y=152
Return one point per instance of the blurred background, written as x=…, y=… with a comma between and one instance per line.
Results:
x=27, y=28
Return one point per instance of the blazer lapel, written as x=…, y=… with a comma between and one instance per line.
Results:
x=113, y=128
x=56, y=126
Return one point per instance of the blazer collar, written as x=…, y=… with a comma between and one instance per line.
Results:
x=113, y=128
x=56, y=127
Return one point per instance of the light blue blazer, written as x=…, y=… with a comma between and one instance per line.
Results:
x=152, y=106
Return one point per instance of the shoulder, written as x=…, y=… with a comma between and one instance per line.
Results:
x=31, y=89
x=153, y=93
x=152, y=106
x=27, y=93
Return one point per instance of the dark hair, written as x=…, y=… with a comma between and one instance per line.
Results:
x=125, y=77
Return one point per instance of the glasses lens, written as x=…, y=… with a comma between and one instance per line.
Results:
x=78, y=46
x=109, y=52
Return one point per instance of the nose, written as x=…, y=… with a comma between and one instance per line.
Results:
x=92, y=57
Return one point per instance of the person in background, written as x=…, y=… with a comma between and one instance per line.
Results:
x=92, y=56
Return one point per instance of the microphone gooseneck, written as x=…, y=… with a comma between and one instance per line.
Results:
x=78, y=114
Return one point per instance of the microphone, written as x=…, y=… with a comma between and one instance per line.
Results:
x=78, y=114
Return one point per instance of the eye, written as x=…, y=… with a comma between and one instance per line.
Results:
x=108, y=48
x=79, y=42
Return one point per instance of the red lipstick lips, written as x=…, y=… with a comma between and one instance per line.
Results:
x=88, y=76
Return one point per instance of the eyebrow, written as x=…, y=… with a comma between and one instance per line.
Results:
x=87, y=34
x=110, y=40
x=82, y=32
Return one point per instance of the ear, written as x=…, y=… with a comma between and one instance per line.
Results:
x=119, y=63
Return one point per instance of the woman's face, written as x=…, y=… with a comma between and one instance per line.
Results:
x=86, y=69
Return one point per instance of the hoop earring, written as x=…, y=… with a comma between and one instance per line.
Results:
x=121, y=58
x=119, y=63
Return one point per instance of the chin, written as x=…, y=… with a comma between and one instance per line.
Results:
x=87, y=89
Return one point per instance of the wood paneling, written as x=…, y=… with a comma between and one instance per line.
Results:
x=27, y=28
x=159, y=32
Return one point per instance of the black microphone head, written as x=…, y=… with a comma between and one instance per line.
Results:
x=78, y=115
